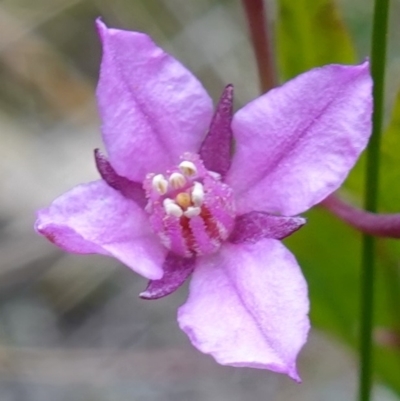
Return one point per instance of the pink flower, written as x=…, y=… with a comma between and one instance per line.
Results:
x=173, y=201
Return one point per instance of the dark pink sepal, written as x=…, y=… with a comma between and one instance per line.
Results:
x=254, y=226
x=215, y=151
x=176, y=270
x=130, y=189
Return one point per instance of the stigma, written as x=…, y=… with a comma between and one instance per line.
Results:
x=190, y=208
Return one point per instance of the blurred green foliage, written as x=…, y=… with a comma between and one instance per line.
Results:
x=311, y=33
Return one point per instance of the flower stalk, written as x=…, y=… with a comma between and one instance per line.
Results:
x=378, y=61
x=384, y=225
x=257, y=17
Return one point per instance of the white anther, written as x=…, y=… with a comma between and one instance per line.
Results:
x=188, y=168
x=171, y=208
x=192, y=211
x=198, y=194
x=177, y=180
x=215, y=175
x=160, y=184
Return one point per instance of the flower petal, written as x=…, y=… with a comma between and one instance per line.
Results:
x=296, y=144
x=94, y=218
x=152, y=108
x=255, y=226
x=176, y=270
x=215, y=151
x=248, y=306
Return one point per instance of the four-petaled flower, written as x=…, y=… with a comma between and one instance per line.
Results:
x=175, y=200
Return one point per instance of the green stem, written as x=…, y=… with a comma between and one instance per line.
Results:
x=378, y=61
x=262, y=44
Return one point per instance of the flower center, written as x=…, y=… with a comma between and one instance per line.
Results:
x=190, y=208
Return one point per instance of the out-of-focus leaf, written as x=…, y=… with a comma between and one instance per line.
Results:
x=389, y=183
x=389, y=193
x=390, y=163
x=388, y=350
x=329, y=252
x=310, y=33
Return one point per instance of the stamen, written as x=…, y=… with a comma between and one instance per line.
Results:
x=160, y=184
x=198, y=194
x=190, y=208
x=177, y=180
x=171, y=208
x=215, y=175
x=188, y=168
x=183, y=200
x=192, y=211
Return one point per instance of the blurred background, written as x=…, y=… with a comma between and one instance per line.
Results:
x=72, y=328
